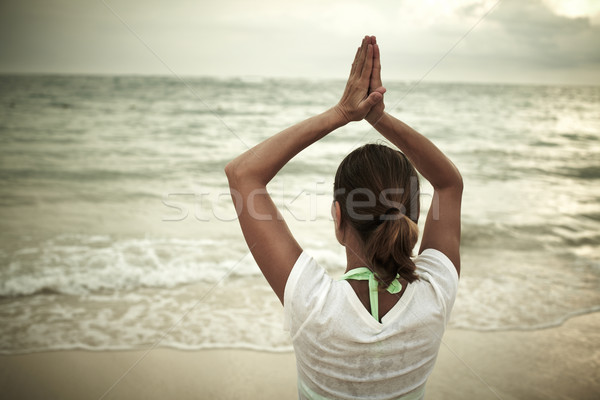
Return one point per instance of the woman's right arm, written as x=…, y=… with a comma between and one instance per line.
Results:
x=442, y=227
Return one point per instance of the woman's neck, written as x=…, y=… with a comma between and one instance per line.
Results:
x=354, y=253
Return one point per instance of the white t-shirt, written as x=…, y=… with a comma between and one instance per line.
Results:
x=342, y=352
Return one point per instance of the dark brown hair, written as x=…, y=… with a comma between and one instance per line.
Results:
x=378, y=191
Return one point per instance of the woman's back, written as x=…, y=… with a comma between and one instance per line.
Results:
x=342, y=352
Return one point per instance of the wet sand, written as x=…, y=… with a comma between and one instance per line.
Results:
x=556, y=363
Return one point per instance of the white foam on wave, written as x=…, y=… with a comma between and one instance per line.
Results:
x=514, y=300
x=227, y=304
x=78, y=264
x=192, y=317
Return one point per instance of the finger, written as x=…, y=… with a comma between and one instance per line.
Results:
x=374, y=98
x=362, y=54
x=357, y=65
x=354, y=63
x=370, y=101
x=376, y=74
x=365, y=41
x=367, y=65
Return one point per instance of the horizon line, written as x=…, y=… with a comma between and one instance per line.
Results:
x=261, y=78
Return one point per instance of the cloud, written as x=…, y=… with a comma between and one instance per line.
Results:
x=529, y=32
x=519, y=41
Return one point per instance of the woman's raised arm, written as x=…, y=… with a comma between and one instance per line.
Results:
x=442, y=227
x=267, y=235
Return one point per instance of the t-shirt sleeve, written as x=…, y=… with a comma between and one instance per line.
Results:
x=436, y=268
x=305, y=290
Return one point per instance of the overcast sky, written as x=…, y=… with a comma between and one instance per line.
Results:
x=522, y=41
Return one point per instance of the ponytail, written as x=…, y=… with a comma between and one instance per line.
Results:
x=389, y=248
x=378, y=192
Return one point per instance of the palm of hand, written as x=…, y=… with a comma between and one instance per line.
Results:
x=363, y=94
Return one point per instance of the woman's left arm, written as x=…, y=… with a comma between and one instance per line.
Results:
x=267, y=235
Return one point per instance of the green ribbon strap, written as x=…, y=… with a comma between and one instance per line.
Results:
x=363, y=274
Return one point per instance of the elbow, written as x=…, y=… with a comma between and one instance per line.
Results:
x=455, y=179
x=238, y=173
x=232, y=172
x=452, y=181
x=459, y=184
x=229, y=169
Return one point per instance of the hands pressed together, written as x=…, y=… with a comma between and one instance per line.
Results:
x=268, y=237
x=363, y=96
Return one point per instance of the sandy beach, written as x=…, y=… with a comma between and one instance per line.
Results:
x=557, y=363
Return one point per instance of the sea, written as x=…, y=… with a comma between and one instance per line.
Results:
x=117, y=230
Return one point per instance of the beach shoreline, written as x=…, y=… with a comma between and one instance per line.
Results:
x=555, y=363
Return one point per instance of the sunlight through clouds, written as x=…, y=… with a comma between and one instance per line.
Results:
x=575, y=8
x=539, y=41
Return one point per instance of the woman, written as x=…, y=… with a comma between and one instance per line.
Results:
x=376, y=332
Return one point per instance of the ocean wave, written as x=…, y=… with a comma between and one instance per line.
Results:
x=284, y=348
x=196, y=317
x=523, y=237
x=552, y=323
x=523, y=290
x=81, y=175
x=199, y=316
x=78, y=264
